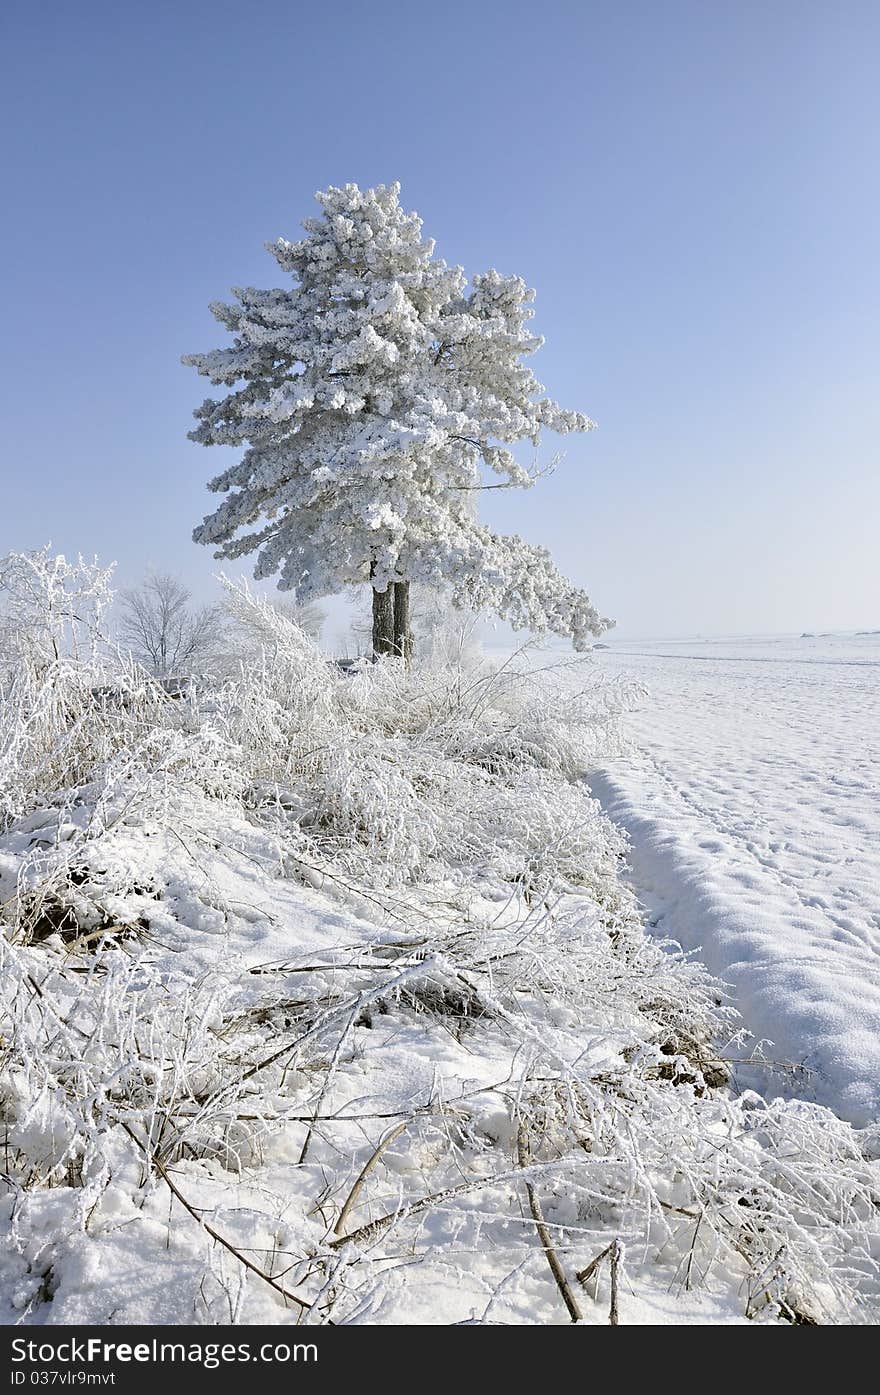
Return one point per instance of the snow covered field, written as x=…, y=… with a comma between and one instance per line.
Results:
x=754, y=809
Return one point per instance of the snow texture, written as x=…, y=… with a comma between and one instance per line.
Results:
x=753, y=806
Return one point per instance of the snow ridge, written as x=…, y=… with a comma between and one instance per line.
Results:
x=752, y=809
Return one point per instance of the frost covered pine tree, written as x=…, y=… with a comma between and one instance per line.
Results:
x=369, y=395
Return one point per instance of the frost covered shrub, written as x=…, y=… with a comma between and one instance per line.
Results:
x=398, y=774
x=121, y=1047
x=264, y=1110
x=230, y=1097
x=51, y=609
x=73, y=709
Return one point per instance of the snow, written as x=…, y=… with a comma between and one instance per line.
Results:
x=753, y=806
x=324, y=999
x=222, y=943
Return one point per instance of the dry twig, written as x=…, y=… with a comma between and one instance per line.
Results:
x=556, y=1269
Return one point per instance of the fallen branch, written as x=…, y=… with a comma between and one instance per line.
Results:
x=365, y=1171
x=215, y=1235
x=511, y=1175
x=522, y=1145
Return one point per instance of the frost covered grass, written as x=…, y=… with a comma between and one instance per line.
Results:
x=323, y=1001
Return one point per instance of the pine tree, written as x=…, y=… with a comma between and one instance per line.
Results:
x=369, y=396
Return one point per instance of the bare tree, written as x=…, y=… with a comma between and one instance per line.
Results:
x=163, y=630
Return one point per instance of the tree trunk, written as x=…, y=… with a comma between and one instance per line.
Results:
x=383, y=621
x=402, y=635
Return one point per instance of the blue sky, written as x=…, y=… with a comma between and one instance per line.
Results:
x=691, y=187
